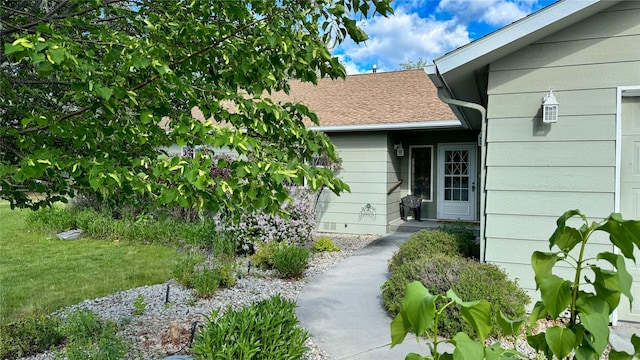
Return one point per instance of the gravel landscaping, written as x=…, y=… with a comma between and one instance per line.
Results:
x=164, y=328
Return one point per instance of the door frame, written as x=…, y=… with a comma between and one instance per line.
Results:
x=473, y=177
x=622, y=91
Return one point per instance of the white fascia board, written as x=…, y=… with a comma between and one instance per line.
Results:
x=425, y=125
x=509, y=34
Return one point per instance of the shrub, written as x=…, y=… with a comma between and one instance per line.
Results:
x=89, y=337
x=193, y=272
x=225, y=267
x=434, y=258
x=442, y=268
x=487, y=281
x=29, y=336
x=185, y=267
x=205, y=282
x=325, y=244
x=263, y=331
x=263, y=257
x=291, y=260
x=467, y=244
x=424, y=243
x=254, y=228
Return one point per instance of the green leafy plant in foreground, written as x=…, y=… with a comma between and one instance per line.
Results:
x=267, y=329
x=585, y=333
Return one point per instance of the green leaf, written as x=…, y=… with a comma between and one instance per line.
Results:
x=543, y=263
x=56, y=56
x=467, y=348
x=594, y=316
x=103, y=91
x=566, y=237
x=475, y=313
x=619, y=355
x=561, y=340
x=539, y=343
x=95, y=183
x=168, y=196
x=420, y=307
x=414, y=356
x=509, y=327
x=555, y=293
x=635, y=341
x=624, y=279
x=44, y=68
x=623, y=234
x=12, y=49
x=399, y=328
x=606, y=286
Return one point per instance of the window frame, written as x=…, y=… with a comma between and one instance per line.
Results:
x=410, y=172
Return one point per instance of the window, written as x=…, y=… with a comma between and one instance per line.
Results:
x=456, y=175
x=421, y=172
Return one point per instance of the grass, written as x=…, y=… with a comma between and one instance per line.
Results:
x=40, y=274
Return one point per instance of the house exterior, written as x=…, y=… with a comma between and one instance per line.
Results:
x=395, y=137
x=588, y=53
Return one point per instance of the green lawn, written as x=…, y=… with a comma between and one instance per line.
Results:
x=40, y=274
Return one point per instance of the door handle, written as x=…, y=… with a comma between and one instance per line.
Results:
x=473, y=186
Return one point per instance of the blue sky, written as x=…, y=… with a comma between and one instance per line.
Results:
x=428, y=29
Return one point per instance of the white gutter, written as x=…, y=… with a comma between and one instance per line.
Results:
x=424, y=125
x=483, y=156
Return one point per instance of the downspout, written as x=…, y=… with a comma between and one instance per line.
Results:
x=483, y=162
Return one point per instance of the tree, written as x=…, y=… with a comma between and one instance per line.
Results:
x=411, y=65
x=87, y=87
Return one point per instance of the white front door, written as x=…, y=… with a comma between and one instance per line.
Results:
x=457, y=182
x=630, y=194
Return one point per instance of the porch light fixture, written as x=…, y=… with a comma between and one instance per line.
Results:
x=399, y=150
x=550, y=108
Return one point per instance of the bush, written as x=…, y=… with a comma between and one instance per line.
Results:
x=291, y=260
x=205, y=282
x=324, y=244
x=253, y=229
x=91, y=338
x=263, y=257
x=225, y=267
x=433, y=258
x=443, y=271
x=184, y=269
x=29, y=336
x=193, y=272
x=424, y=243
x=467, y=244
x=263, y=331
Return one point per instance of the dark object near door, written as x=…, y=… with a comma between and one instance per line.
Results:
x=408, y=203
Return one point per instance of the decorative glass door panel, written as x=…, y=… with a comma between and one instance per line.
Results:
x=456, y=176
x=457, y=182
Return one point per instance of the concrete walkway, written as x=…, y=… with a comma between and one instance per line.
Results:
x=342, y=308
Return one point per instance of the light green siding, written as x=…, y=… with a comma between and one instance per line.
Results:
x=537, y=171
x=393, y=176
x=364, y=168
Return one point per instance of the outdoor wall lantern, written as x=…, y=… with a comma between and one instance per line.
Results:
x=399, y=149
x=550, y=108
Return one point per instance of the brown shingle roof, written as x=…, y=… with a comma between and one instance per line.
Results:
x=372, y=99
x=383, y=98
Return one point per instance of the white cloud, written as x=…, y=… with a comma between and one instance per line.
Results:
x=492, y=12
x=401, y=37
